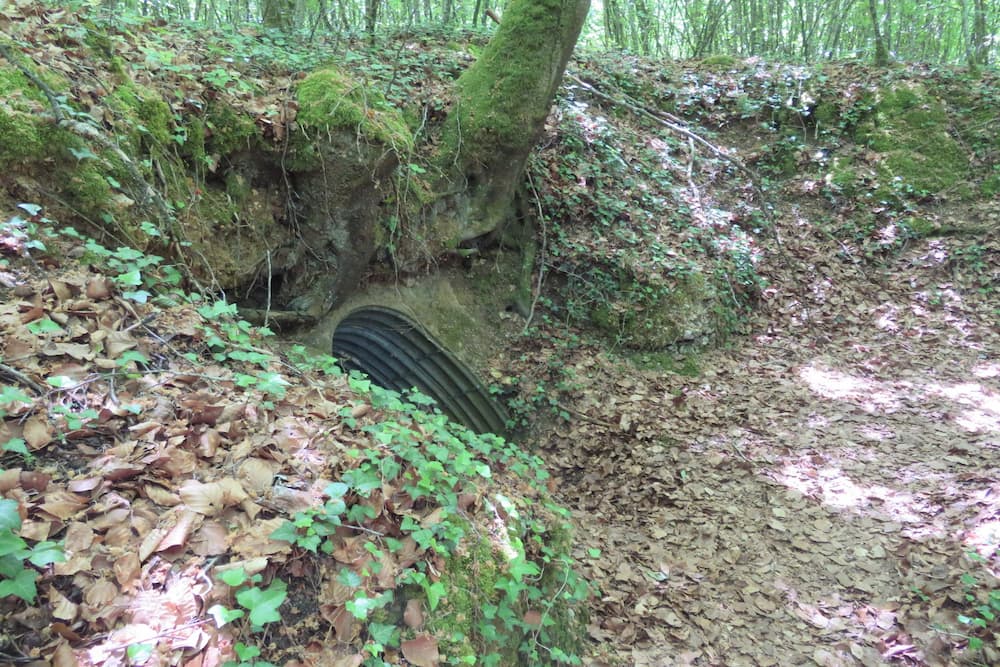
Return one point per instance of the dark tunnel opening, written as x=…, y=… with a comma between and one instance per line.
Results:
x=399, y=354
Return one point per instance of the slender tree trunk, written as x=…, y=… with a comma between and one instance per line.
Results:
x=278, y=14
x=881, y=51
x=371, y=16
x=980, y=51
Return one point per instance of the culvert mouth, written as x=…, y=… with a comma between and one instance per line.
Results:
x=399, y=354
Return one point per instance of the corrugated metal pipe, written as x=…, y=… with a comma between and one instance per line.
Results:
x=397, y=353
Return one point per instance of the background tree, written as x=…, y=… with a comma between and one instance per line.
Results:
x=881, y=49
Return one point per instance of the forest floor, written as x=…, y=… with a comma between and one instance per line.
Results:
x=811, y=495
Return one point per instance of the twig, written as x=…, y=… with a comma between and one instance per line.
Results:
x=18, y=376
x=541, y=260
x=587, y=418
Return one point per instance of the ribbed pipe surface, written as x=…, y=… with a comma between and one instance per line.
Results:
x=399, y=354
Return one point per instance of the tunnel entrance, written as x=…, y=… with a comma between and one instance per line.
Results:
x=399, y=354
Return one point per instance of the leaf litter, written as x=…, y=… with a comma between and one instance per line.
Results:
x=809, y=498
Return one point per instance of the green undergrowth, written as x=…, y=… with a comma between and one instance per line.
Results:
x=627, y=251
x=488, y=550
x=888, y=141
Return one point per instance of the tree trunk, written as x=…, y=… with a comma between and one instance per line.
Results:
x=371, y=16
x=979, y=53
x=278, y=14
x=881, y=50
x=502, y=102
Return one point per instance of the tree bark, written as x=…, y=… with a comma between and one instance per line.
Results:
x=502, y=102
x=881, y=50
x=979, y=53
x=278, y=14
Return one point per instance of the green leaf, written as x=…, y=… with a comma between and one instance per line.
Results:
x=349, y=578
x=435, y=592
x=44, y=326
x=224, y=615
x=13, y=395
x=131, y=355
x=60, y=381
x=286, y=532
x=336, y=489
x=139, y=653
x=17, y=446
x=233, y=577
x=12, y=545
x=263, y=603
x=10, y=517
x=22, y=585
x=84, y=154
x=385, y=634
x=44, y=553
x=129, y=278
x=139, y=296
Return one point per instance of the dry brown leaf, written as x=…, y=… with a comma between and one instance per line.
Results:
x=60, y=606
x=211, y=539
x=414, y=614
x=177, y=536
x=62, y=504
x=37, y=432
x=421, y=651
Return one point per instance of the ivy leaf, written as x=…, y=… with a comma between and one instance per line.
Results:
x=224, y=615
x=84, y=154
x=17, y=446
x=286, y=532
x=44, y=553
x=233, y=577
x=130, y=278
x=22, y=585
x=263, y=603
x=435, y=592
x=44, y=326
x=10, y=518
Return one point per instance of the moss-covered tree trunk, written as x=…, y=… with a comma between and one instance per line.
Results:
x=881, y=50
x=501, y=106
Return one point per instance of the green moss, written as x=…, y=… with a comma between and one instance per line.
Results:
x=144, y=112
x=498, y=97
x=20, y=140
x=470, y=577
x=479, y=618
x=87, y=188
x=653, y=316
x=237, y=187
x=193, y=147
x=826, y=114
x=227, y=131
x=329, y=98
x=991, y=184
x=719, y=62
x=911, y=128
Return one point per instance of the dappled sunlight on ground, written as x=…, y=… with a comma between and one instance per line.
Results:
x=982, y=405
x=871, y=395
